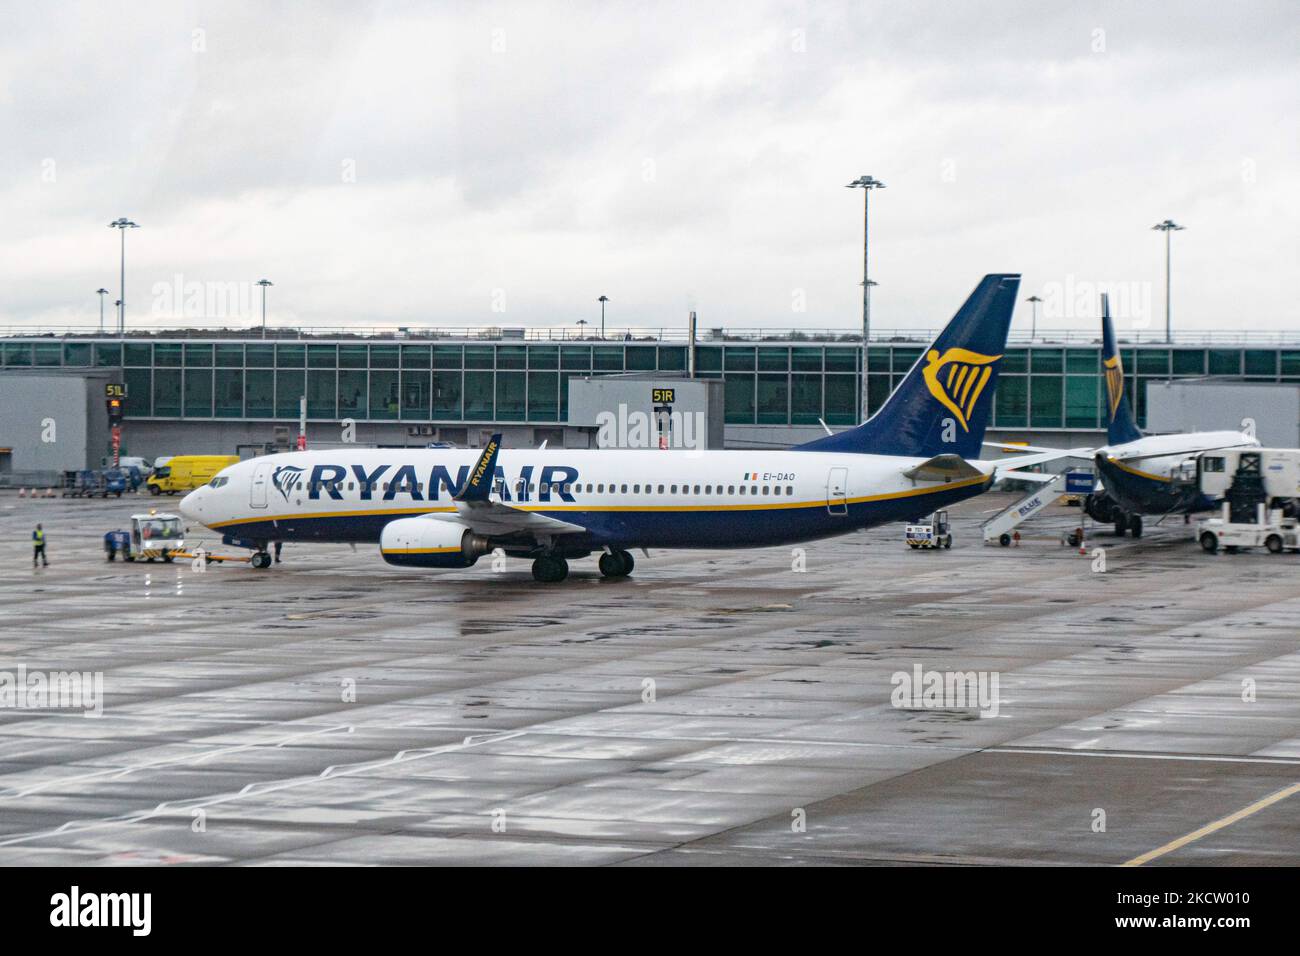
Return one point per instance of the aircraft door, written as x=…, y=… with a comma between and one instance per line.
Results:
x=257, y=490
x=837, y=501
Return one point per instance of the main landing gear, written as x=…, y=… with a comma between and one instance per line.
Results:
x=1130, y=523
x=550, y=568
x=260, y=560
x=616, y=564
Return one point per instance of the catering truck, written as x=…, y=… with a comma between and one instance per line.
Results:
x=1259, y=490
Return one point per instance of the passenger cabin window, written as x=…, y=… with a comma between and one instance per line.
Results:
x=789, y=489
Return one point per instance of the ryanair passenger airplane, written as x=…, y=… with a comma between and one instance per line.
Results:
x=1151, y=474
x=446, y=508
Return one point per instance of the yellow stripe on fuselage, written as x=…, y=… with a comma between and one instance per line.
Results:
x=765, y=506
x=1141, y=474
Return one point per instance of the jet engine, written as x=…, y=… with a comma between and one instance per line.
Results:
x=431, y=543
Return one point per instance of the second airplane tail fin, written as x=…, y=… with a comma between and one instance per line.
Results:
x=1121, y=427
x=943, y=404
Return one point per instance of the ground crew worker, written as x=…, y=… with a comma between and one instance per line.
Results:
x=278, y=546
x=38, y=547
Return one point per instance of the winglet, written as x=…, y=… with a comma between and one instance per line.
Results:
x=481, y=477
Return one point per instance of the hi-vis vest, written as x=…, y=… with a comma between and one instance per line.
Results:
x=38, y=538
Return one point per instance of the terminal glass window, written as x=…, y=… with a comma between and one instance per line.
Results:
x=259, y=393
x=841, y=399
x=1046, y=360
x=478, y=396
x=740, y=399
x=447, y=356
x=320, y=393
x=805, y=398
x=18, y=354
x=259, y=356
x=446, y=395
x=605, y=358
x=167, y=392
x=1083, y=360
x=479, y=356
x=416, y=356
x=806, y=359
x=1011, y=401
x=708, y=359
x=167, y=354
x=415, y=395
x=290, y=387
x=544, y=356
x=739, y=360
x=1045, y=392
x=512, y=356
x=672, y=358
x=230, y=356
x=511, y=390
x=198, y=356
x=229, y=387
x=138, y=354
x=1153, y=362
x=1225, y=362
x=383, y=356
x=543, y=396
x=76, y=353
x=383, y=393
x=576, y=357
x=322, y=356
x=842, y=360
x=640, y=358
x=1082, y=397
x=773, y=360
x=108, y=354
x=139, y=391
x=353, y=356
x=48, y=353
x=1189, y=361
x=1261, y=363
x=198, y=393
x=773, y=399
x=352, y=389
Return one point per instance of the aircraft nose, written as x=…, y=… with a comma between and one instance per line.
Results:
x=192, y=505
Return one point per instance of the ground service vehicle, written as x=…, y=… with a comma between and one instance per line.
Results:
x=933, y=532
x=187, y=472
x=154, y=535
x=1260, y=492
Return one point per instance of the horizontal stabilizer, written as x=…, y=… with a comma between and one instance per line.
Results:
x=943, y=468
x=1034, y=476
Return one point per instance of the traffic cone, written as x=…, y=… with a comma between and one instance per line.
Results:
x=49, y=493
x=22, y=492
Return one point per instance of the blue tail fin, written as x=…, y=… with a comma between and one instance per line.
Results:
x=1120, y=424
x=943, y=404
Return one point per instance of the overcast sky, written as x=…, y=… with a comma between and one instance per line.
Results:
x=505, y=164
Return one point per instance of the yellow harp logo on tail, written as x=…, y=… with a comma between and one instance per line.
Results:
x=1114, y=382
x=957, y=379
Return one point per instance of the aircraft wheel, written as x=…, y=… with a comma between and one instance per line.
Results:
x=1273, y=543
x=610, y=565
x=947, y=542
x=153, y=490
x=1209, y=543
x=550, y=569
x=1121, y=525
x=628, y=561
x=913, y=545
x=261, y=560
x=1135, y=526
x=1005, y=540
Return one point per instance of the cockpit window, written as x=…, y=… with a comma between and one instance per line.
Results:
x=217, y=482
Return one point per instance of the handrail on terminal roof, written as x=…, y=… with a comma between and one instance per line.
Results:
x=674, y=335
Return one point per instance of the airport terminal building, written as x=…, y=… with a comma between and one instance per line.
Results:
x=219, y=392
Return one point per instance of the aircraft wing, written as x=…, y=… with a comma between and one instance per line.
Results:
x=475, y=507
x=1047, y=454
x=1005, y=446
x=1177, y=452
x=498, y=518
x=1033, y=476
